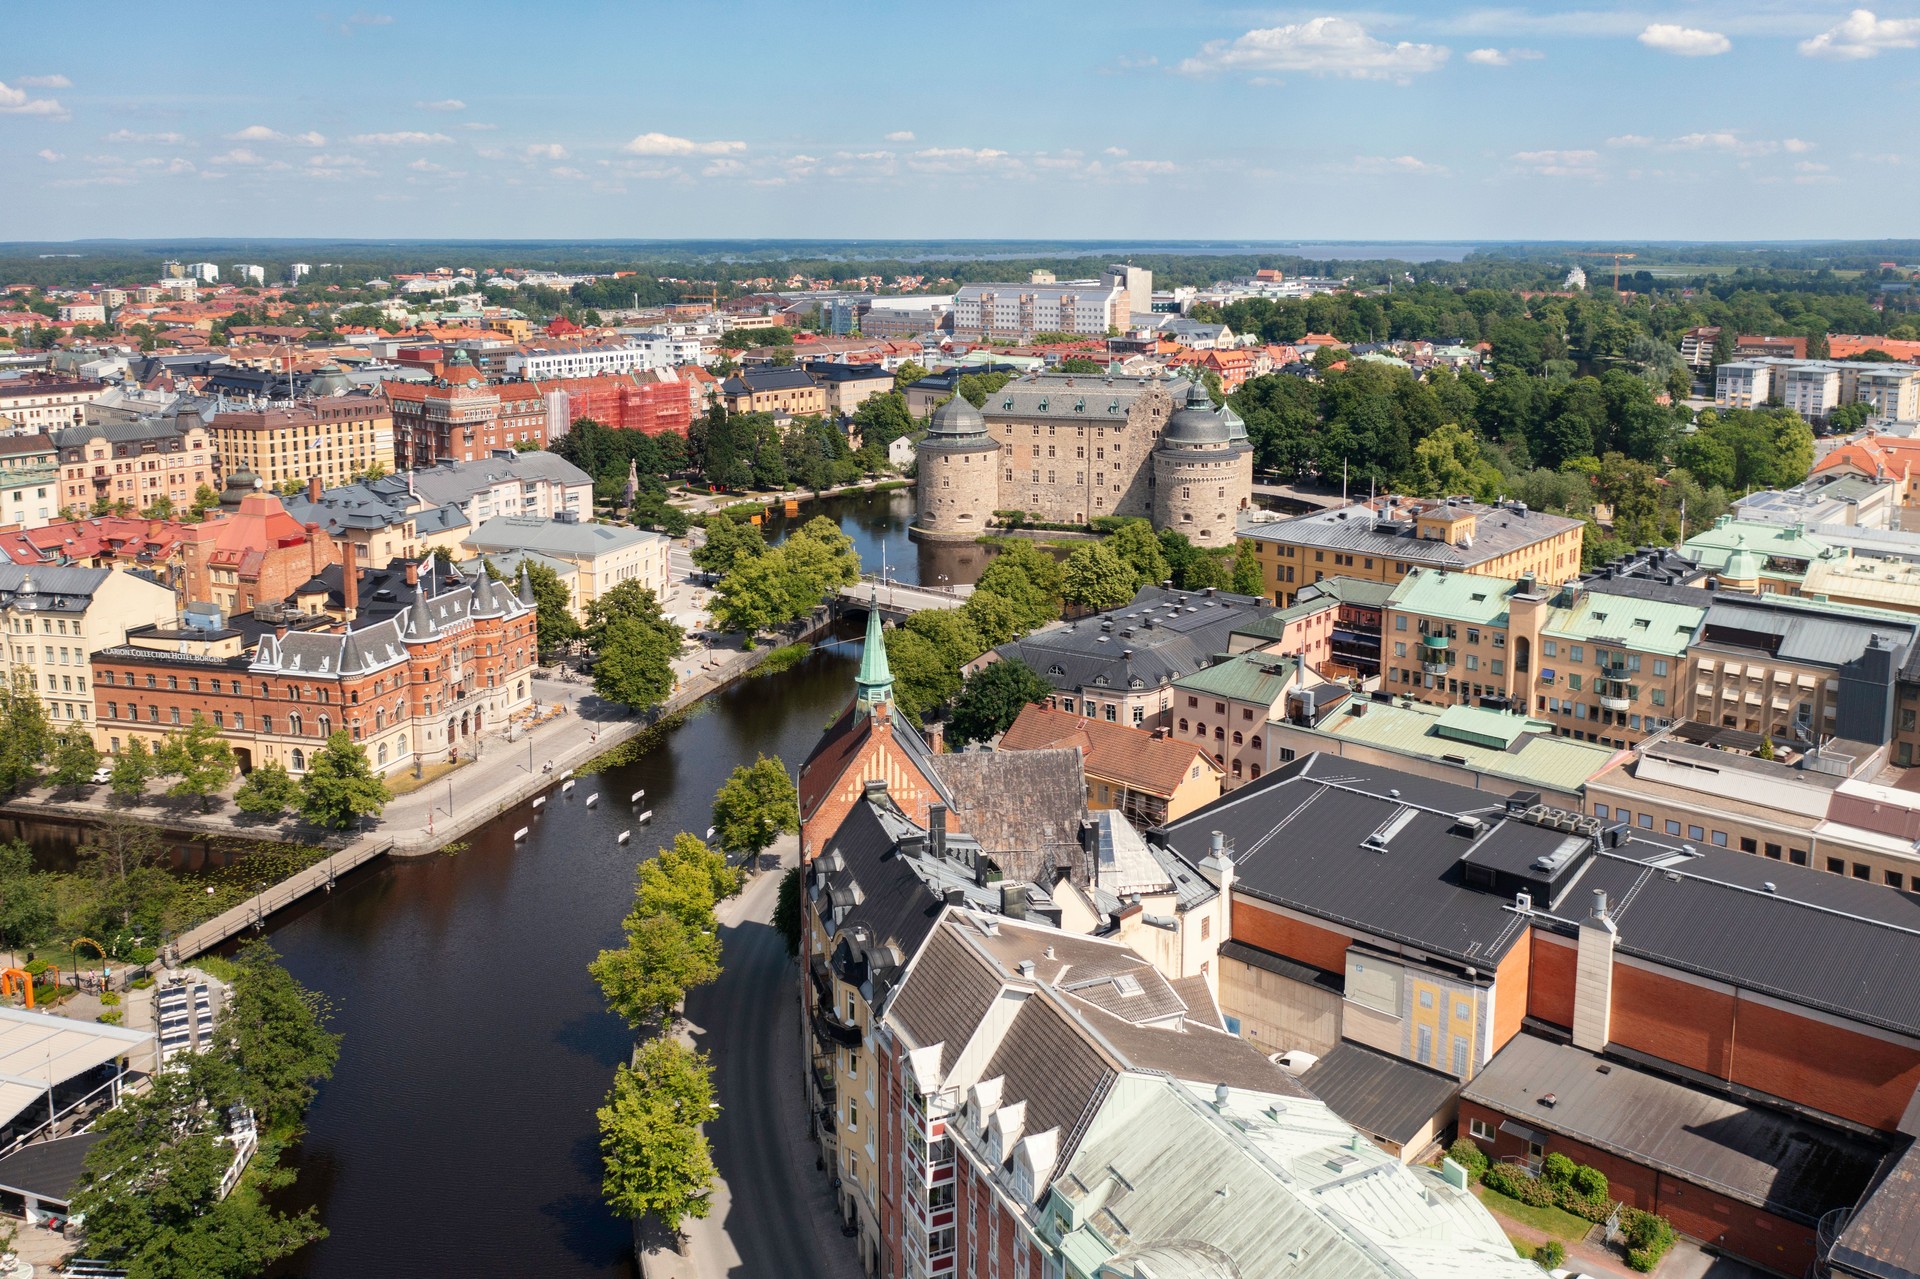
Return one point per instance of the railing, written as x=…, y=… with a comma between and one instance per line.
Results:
x=1826, y=1234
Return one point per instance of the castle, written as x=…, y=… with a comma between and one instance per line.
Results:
x=1068, y=448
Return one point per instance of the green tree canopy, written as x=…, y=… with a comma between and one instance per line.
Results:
x=654, y=1153
x=1098, y=579
x=1139, y=548
x=755, y=806
x=131, y=769
x=199, y=758
x=340, y=785
x=663, y=958
x=74, y=757
x=268, y=791
x=727, y=542
x=992, y=698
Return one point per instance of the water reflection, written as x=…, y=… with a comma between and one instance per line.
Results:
x=878, y=524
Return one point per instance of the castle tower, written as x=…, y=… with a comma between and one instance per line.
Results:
x=958, y=486
x=1202, y=471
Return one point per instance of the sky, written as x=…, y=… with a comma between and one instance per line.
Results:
x=569, y=119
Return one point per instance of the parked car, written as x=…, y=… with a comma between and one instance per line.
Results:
x=102, y=775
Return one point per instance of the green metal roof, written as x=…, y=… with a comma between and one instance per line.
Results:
x=1458, y=597
x=1535, y=756
x=1627, y=621
x=1496, y=730
x=1729, y=537
x=1250, y=677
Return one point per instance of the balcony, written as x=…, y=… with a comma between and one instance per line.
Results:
x=1434, y=668
x=831, y=1030
x=1615, y=701
x=1434, y=643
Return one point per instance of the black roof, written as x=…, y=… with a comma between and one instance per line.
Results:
x=1882, y=1237
x=1387, y=854
x=831, y=371
x=47, y=1170
x=1382, y=1095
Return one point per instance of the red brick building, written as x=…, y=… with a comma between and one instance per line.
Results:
x=461, y=419
x=626, y=401
x=251, y=552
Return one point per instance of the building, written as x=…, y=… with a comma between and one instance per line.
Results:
x=781, y=390
x=603, y=555
x=383, y=520
x=848, y=386
x=1147, y=776
x=1120, y=666
x=430, y=663
x=1485, y=940
x=538, y=485
x=1068, y=449
x=1836, y=496
x=651, y=402
x=1814, y=388
x=251, y=553
x=1602, y=660
x=556, y=358
x=1759, y=556
x=100, y=541
x=1224, y=707
x=1385, y=539
x=1333, y=627
x=83, y=310
x=55, y=617
x=37, y=403
x=1138, y=283
x=1751, y=346
x=463, y=419
x=1018, y=312
x=249, y=273
x=1743, y=384
x=335, y=439
x=205, y=272
x=136, y=463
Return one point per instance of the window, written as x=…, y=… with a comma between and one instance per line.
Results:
x=1862, y=872
x=1480, y=1129
x=1749, y=845
x=1836, y=866
x=1673, y=827
x=853, y=1117
x=1798, y=856
x=1459, y=1055
x=1600, y=811
x=1695, y=832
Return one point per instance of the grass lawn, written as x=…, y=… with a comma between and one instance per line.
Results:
x=1558, y=1223
x=405, y=783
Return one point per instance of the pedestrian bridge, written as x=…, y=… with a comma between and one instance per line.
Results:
x=898, y=599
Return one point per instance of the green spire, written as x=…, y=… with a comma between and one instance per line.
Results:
x=874, y=684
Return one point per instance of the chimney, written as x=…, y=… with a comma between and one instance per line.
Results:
x=349, y=585
x=1593, y=977
x=937, y=829
x=313, y=489
x=1013, y=899
x=413, y=574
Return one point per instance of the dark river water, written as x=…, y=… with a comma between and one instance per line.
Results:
x=878, y=523
x=457, y=1137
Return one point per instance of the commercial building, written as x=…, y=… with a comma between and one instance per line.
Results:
x=382, y=520
x=1333, y=626
x=136, y=463
x=463, y=419
x=251, y=553
x=1385, y=539
x=1120, y=666
x=55, y=617
x=40, y=402
x=780, y=390
x=848, y=386
x=1147, y=776
x=417, y=665
x=1017, y=312
x=332, y=438
x=1069, y=449
x=603, y=555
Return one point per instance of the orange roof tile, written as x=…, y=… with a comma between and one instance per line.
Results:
x=1133, y=756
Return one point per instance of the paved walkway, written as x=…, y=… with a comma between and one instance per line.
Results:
x=773, y=1211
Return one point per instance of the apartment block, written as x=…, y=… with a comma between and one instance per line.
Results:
x=55, y=617
x=1016, y=312
x=334, y=439
x=136, y=463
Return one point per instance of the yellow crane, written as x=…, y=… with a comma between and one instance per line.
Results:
x=1617, y=259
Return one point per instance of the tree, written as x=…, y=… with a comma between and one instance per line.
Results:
x=1134, y=542
x=755, y=806
x=819, y=559
x=1097, y=579
x=268, y=791
x=74, y=758
x=655, y=1157
x=633, y=663
x=992, y=698
x=688, y=861
x=727, y=542
x=199, y=758
x=1028, y=578
x=340, y=785
x=907, y=374
x=123, y=858
x=131, y=769
x=25, y=736
x=663, y=958
x=752, y=596
x=786, y=907
x=553, y=620
x=1448, y=463
x=923, y=678
x=1248, y=577
x=28, y=909
x=279, y=1035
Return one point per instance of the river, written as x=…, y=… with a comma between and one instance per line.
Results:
x=457, y=1137
x=878, y=524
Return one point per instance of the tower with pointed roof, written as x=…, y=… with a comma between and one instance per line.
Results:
x=873, y=686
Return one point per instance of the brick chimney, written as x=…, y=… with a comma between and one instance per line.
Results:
x=349, y=585
x=413, y=573
x=313, y=489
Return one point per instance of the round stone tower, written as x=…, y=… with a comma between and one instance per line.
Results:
x=958, y=485
x=1202, y=471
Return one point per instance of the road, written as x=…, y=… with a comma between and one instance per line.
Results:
x=774, y=1214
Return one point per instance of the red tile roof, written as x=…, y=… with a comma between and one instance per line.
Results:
x=1134, y=756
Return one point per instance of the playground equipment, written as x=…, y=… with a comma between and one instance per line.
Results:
x=20, y=976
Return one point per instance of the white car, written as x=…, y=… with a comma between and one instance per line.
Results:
x=102, y=775
x=1296, y=1062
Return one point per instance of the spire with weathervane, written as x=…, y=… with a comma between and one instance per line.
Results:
x=873, y=686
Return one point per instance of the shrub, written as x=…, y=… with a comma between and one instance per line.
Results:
x=111, y=1017
x=1556, y=1169
x=1550, y=1255
x=142, y=955
x=1512, y=1181
x=1468, y=1155
x=141, y=983
x=109, y=999
x=1589, y=1182
x=1648, y=1238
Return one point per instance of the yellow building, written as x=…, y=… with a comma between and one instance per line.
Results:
x=1384, y=540
x=333, y=438
x=1148, y=777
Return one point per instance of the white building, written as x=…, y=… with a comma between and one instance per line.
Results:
x=296, y=271
x=55, y=617
x=1137, y=281
x=1814, y=388
x=1743, y=384
x=537, y=484
x=640, y=352
x=1892, y=391
x=83, y=311
x=1018, y=311
x=249, y=273
x=602, y=555
x=208, y=272
x=1811, y=389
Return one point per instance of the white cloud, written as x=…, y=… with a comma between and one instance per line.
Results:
x=723, y=169
x=1503, y=57
x=1630, y=140
x=406, y=137
x=1796, y=145
x=310, y=139
x=1115, y=151
x=1142, y=168
x=478, y=125
x=900, y=135
x=444, y=104
x=128, y=135
x=1396, y=164
x=257, y=133
x=19, y=102
x=1861, y=35
x=347, y=27
x=1560, y=164
x=1685, y=42
x=44, y=82
x=239, y=155
x=546, y=151
x=562, y=171
x=333, y=161
x=1321, y=46
x=667, y=144
x=954, y=159
x=164, y=165
x=50, y=155
x=1730, y=141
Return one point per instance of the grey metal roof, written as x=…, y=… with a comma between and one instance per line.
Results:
x=1497, y=531
x=1789, y=1165
x=556, y=537
x=1810, y=632
x=1158, y=638
x=459, y=482
x=48, y=1170
x=1076, y=397
x=1882, y=1237
x=1385, y=1096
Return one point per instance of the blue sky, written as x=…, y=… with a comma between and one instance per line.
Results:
x=1114, y=120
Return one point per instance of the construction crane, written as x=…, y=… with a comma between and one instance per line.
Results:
x=1617, y=259
x=711, y=297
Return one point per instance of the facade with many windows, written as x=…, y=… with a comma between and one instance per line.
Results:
x=55, y=617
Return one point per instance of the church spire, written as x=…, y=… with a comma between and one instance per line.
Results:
x=873, y=686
